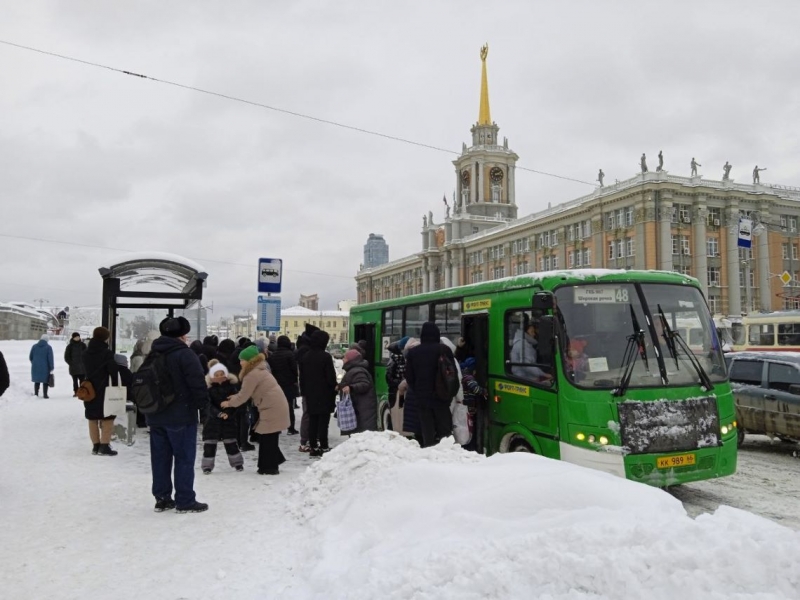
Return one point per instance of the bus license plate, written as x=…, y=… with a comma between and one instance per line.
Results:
x=680, y=460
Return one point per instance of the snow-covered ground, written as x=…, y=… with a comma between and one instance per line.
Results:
x=376, y=518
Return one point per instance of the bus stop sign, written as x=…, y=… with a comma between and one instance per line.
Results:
x=270, y=275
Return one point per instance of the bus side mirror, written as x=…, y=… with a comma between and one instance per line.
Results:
x=543, y=301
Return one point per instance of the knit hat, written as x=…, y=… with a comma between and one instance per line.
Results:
x=121, y=360
x=74, y=335
x=249, y=353
x=468, y=364
x=101, y=333
x=216, y=369
x=174, y=327
x=352, y=354
x=262, y=344
x=45, y=337
x=284, y=342
x=402, y=343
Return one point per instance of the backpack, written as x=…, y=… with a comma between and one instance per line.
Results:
x=152, y=386
x=447, y=382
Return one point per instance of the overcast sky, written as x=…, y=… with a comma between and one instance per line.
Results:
x=95, y=157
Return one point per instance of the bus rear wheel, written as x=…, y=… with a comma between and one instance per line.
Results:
x=740, y=437
x=520, y=445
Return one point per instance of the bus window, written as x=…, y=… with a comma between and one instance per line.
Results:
x=391, y=331
x=521, y=348
x=447, y=316
x=788, y=334
x=415, y=317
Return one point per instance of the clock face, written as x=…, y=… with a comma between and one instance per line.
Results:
x=465, y=177
x=496, y=175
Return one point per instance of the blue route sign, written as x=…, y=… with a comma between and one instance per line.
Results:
x=270, y=275
x=269, y=313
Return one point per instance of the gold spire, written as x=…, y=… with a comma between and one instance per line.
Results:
x=484, y=115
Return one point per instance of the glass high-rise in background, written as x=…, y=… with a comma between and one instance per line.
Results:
x=376, y=251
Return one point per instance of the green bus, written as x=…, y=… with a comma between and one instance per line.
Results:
x=611, y=383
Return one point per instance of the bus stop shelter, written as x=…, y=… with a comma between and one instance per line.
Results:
x=151, y=280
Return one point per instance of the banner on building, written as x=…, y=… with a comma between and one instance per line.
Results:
x=745, y=233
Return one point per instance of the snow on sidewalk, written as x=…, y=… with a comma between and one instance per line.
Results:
x=378, y=517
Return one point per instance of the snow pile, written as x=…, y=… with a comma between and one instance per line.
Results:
x=358, y=464
x=395, y=521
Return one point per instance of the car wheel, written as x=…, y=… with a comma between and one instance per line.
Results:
x=520, y=445
x=740, y=437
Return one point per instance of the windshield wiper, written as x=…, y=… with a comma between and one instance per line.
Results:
x=671, y=338
x=634, y=348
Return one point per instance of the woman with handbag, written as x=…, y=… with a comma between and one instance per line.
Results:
x=42, y=365
x=273, y=409
x=358, y=383
x=100, y=367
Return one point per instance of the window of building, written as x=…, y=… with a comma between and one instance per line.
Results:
x=785, y=251
x=612, y=249
x=714, y=304
x=570, y=259
x=683, y=269
x=555, y=262
x=714, y=218
x=675, y=244
x=497, y=193
x=629, y=216
x=685, y=214
x=713, y=276
x=611, y=221
x=295, y=323
x=631, y=246
x=587, y=258
x=620, y=248
x=685, y=249
x=712, y=246
x=794, y=251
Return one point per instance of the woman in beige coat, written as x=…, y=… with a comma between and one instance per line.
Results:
x=273, y=409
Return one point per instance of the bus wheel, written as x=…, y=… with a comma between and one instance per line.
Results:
x=386, y=419
x=740, y=437
x=520, y=445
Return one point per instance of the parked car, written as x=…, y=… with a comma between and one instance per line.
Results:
x=766, y=389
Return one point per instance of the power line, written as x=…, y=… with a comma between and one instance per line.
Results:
x=202, y=260
x=273, y=108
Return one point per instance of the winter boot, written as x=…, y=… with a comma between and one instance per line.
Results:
x=105, y=450
x=315, y=453
x=194, y=507
x=163, y=504
x=95, y=448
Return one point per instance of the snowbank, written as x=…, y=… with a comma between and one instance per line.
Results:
x=395, y=521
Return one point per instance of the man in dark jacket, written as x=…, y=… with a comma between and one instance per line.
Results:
x=422, y=367
x=303, y=345
x=4, y=379
x=173, y=431
x=73, y=356
x=318, y=383
x=284, y=369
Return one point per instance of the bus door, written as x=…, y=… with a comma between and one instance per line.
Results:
x=475, y=331
x=366, y=331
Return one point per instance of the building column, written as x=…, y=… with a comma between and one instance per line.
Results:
x=425, y=279
x=699, y=259
x=448, y=270
x=732, y=262
x=765, y=292
x=665, y=232
x=431, y=278
x=473, y=184
x=512, y=169
x=480, y=177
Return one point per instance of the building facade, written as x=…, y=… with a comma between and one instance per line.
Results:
x=335, y=322
x=376, y=251
x=654, y=220
x=310, y=301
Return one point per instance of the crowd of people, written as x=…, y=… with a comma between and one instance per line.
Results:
x=245, y=392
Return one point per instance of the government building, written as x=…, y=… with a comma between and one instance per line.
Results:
x=653, y=221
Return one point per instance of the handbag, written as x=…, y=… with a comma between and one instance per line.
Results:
x=346, y=415
x=51, y=380
x=115, y=400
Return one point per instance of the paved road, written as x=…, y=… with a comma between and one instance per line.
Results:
x=767, y=483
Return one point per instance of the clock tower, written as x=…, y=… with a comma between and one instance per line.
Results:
x=484, y=172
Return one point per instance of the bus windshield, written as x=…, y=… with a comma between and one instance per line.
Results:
x=607, y=331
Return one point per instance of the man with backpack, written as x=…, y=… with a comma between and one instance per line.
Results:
x=433, y=378
x=171, y=384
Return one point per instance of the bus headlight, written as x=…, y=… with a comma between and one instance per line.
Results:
x=580, y=437
x=603, y=440
x=591, y=439
x=724, y=429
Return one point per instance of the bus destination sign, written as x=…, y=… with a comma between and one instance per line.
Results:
x=470, y=305
x=600, y=294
